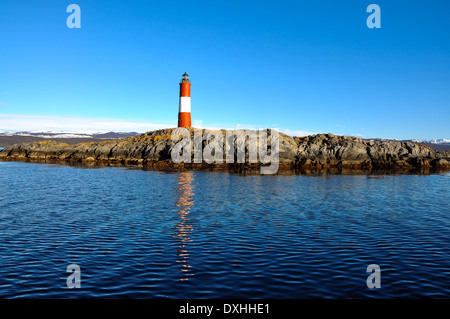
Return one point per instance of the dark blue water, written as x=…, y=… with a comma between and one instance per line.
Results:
x=147, y=234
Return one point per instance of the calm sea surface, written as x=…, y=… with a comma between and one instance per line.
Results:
x=148, y=234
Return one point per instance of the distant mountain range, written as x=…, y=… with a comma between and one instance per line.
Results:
x=435, y=141
x=56, y=134
x=10, y=138
x=435, y=144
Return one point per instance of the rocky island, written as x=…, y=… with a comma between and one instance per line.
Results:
x=320, y=151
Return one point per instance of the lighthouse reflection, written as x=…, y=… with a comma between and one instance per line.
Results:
x=184, y=228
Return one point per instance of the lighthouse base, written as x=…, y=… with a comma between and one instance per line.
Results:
x=184, y=119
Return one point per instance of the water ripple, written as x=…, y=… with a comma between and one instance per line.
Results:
x=147, y=234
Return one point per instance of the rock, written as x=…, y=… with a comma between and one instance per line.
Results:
x=441, y=163
x=319, y=151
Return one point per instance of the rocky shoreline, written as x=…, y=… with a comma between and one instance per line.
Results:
x=317, y=152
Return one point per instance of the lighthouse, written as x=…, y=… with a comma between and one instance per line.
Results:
x=184, y=112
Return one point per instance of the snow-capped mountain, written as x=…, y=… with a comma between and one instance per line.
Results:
x=10, y=137
x=436, y=144
x=434, y=141
x=59, y=134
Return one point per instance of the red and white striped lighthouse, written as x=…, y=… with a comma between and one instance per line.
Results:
x=184, y=112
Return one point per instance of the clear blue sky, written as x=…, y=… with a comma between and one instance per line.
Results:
x=309, y=66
